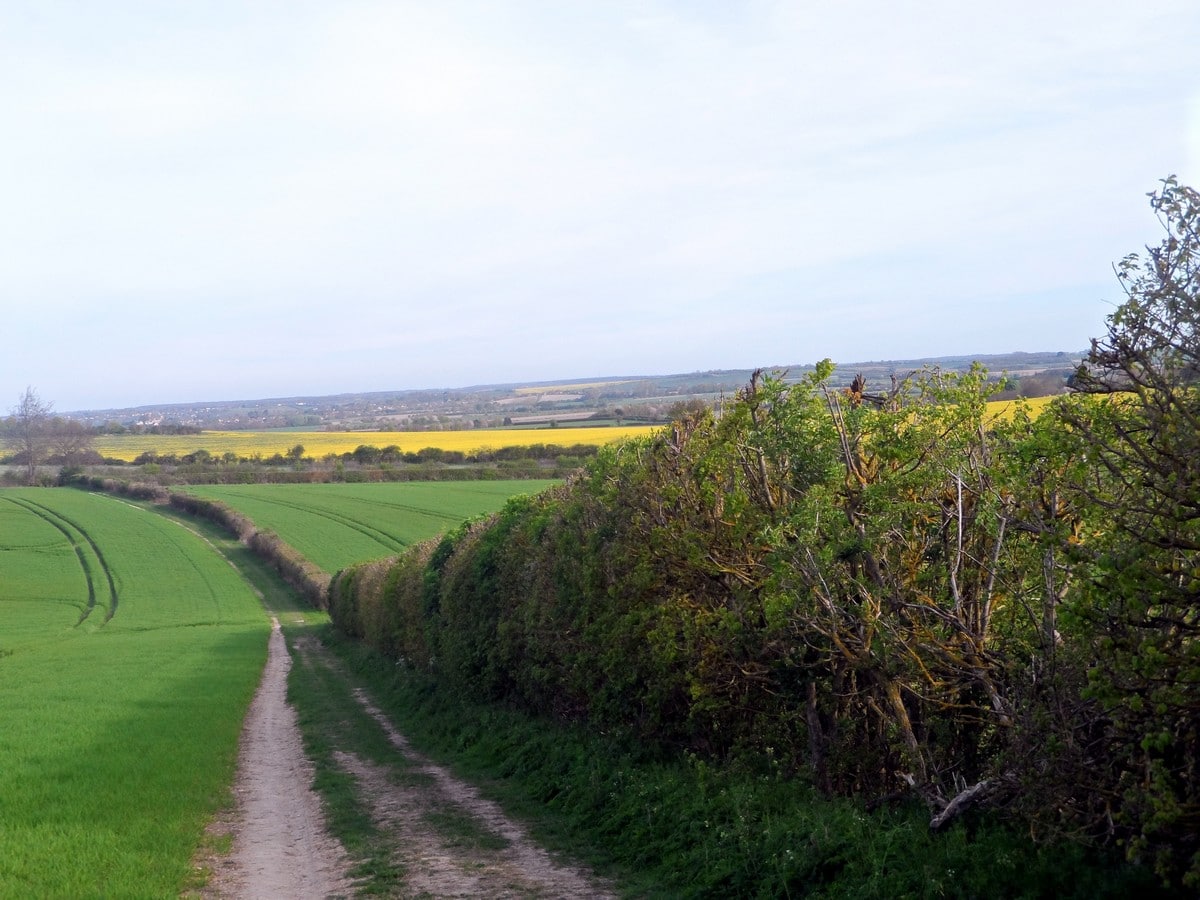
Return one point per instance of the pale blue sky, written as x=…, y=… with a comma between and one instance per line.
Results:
x=234, y=200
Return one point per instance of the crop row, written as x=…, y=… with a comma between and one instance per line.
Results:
x=87, y=552
x=118, y=741
x=120, y=736
x=335, y=525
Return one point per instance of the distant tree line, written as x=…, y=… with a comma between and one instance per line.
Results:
x=364, y=463
x=366, y=454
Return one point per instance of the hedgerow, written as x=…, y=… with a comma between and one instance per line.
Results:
x=880, y=593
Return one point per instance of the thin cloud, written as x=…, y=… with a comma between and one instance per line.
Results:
x=446, y=191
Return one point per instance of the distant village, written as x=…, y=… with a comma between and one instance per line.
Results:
x=602, y=401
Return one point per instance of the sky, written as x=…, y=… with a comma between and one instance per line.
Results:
x=275, y=198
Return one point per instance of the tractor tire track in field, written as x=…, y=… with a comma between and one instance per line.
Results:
x=392, y=506
x=61, y=522
x=390, y=542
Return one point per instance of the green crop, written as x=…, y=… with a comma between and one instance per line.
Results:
x=335, y=525
x=129, y=652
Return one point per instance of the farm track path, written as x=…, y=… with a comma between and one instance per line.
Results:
x=281, y=848
x=506, y=863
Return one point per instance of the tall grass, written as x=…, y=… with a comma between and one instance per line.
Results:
x=680, y=828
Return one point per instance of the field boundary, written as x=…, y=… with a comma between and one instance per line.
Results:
x=377, y=534
x=294, y=568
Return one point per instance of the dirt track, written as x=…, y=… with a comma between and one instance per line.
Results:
x=281, y=847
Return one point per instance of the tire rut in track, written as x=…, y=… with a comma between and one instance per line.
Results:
x=280, y=843
x=506, y=864
x=281, y=847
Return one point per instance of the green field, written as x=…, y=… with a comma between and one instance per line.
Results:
x=129, y=652
x=335, y=525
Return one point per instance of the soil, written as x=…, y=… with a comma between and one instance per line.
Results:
x=281, y=847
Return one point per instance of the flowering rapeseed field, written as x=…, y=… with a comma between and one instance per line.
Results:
x=317, y=444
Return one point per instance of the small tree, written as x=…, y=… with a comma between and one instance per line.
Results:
x=1142, y=597
x=29, y=431
x=69, y=440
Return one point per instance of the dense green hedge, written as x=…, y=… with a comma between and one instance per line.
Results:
x=888, y=595
x=685, y=828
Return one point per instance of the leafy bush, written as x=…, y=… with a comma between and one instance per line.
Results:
x=892, y=594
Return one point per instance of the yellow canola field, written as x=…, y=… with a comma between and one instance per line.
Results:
x=1005, y=407
x=317, y=444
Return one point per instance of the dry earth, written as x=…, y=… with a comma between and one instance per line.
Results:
x=281, y=848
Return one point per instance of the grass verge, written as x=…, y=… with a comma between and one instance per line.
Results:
x=326, y=711
x=686, y=828
x=331, y=720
